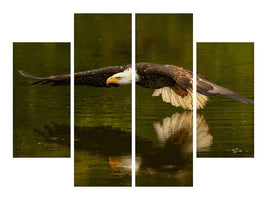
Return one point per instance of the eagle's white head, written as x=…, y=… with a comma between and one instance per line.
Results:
x=122, y=78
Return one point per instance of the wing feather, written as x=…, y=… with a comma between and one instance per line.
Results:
x=179, y=75
x=96, y=77
x=184, y=79
x=209, y=88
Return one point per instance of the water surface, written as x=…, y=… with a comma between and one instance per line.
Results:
x=164, y=158
x=231, y=123
x=102, y=115
x=37, y=108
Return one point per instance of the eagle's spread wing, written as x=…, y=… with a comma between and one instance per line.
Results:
x=96, y=77
x=175, y=86
x=54, y=80
x=206, y=87
x=178, y=75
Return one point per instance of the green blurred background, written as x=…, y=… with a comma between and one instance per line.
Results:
x=39, y=110
x=162, y=39
x=102, y=115
x=231, y=123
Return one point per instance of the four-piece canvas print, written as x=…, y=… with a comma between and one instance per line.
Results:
x=103, y=102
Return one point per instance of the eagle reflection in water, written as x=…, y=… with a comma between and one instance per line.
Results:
x=172, y=154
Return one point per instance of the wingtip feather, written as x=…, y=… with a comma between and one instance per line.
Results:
x=27, y=75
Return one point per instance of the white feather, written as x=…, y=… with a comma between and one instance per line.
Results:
x=169, y=96
x=156, y=92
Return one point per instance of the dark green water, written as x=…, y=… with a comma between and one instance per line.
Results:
x=165, y=156
x=39, y=110
x=231, y=123
x=102, y=115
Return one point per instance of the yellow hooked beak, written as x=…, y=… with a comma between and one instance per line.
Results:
x=112, y=80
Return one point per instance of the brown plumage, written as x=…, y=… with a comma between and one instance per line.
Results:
x=174, y=84
x=180, y=81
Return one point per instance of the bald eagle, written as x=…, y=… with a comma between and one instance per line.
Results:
x=174, y=84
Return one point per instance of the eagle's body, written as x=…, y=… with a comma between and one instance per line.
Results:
x=175, y=84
